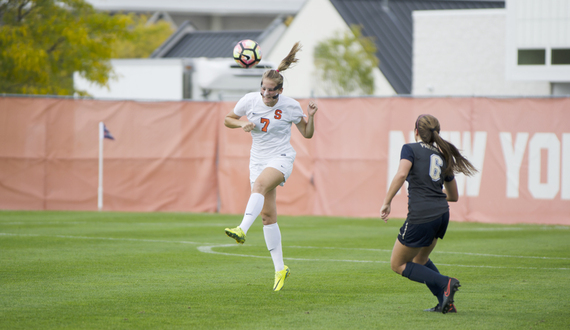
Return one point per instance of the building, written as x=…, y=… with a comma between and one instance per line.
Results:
x=425, y=47
x=215, y=15
x=522, y=50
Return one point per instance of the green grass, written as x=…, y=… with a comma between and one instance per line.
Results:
x=99, y=270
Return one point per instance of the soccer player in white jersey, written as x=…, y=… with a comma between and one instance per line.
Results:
x=268, y=119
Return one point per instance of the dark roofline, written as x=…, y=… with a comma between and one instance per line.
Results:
x=188, y=42
x=184, y=28
x=209, y=44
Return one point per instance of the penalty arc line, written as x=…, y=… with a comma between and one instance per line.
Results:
x=209, y=249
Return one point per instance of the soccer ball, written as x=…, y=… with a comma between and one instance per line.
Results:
x=247, y=53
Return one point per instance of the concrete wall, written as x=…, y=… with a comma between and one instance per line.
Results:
x=544, y=25
x=462, y=52
x=139, y=79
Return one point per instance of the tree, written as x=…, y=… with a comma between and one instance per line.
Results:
x=43, y=42
x=145, y=38
x=345, y=62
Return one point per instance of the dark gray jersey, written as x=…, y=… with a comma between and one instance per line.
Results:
x=426, y=200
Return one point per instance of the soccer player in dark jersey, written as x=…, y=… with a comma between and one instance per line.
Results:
x=428, y=165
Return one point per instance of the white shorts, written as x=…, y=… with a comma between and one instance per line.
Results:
x=283, y=164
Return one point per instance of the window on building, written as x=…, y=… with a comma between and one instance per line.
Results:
x=532, y=57
x=560, y=56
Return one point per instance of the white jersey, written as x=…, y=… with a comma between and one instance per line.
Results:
x=272, y=134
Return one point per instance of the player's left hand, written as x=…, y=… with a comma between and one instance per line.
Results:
x=312, y=108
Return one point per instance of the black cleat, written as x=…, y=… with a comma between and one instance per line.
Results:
x=452, y=286
x=437, y=309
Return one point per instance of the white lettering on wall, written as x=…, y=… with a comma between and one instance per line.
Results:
x=550, y=143
x=513, y=160
x=397, y=140
x=565, y=193
x=475, y=152
x=544, y=149
x=557, y=164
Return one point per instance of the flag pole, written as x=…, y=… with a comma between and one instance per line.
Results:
x=100, y=188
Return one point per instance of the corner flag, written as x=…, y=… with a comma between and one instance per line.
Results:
x=103, y=134
x=106, y=133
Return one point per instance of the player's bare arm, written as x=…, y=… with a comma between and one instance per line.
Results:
x=233, y=121
x=307, y=127
x=451, y=191
x=395, y=185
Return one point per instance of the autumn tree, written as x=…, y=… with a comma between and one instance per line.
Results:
x=345, y=64
x=43, y=42
x=145, y=38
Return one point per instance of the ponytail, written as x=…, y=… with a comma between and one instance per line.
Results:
x=285, y=64
x=428, y=130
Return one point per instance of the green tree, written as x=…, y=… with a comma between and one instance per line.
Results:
x=145, y=38
x=345, y=62
x=43, y=42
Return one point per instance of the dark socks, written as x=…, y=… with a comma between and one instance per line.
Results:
x=427, y=274
x=431, y=266
x=434, y=290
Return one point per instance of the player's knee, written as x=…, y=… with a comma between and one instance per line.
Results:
x=259, y=188
x=396, y=267
x=268, y=218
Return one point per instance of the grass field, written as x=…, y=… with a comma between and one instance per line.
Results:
x=100, y=270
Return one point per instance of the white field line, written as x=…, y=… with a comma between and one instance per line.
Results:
x=213, y=224
x=436, y=252
x=510, y=228
x=209, y=248
x=106, y=238
x=181, y=224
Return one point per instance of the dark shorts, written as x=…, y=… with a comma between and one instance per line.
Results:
x=421, y=235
